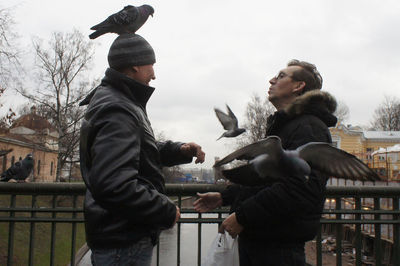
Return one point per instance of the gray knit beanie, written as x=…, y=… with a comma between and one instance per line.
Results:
x=130, y=50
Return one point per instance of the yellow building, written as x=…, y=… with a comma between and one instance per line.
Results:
x=32, y=134
x=366, y=144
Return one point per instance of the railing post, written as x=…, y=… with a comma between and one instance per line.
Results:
x=53, y=231
x=11, y=229
x=73, y=236
x=358, y=240
x=396, y=233
x=339, y=233
x=377, y=229
x=178, y=252
x=199, y=241
x=32, y=232
x=318, y=243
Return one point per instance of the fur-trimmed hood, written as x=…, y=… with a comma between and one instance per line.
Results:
x=319, y=103
x=309, y=99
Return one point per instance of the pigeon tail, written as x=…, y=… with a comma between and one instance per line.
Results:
x=221, y=136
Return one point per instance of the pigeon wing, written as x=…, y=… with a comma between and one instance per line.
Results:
x=232, y=116
x=248, y=152
x=126, y=16
x=121, y=18
x=335, y=162
x=225, y=119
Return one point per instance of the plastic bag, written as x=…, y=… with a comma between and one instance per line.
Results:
x=223, y=251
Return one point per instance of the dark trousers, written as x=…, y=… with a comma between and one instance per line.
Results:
x=260, y=254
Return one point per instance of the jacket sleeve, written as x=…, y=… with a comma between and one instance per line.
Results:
x=292, y=197
x=229, y=194
x=114, y=179
x=170, y=153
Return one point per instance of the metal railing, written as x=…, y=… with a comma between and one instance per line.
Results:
x=361, y=212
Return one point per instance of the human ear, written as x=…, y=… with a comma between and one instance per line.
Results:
x=300, y=86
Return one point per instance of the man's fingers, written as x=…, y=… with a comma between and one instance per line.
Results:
x=200, y=155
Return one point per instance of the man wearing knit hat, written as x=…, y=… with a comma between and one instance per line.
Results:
x=121, y=162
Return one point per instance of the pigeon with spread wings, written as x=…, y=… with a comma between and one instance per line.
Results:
x=128, y=20
x=229, y=122
x=268, y=161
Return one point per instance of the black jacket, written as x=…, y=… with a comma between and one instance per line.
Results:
x=287, y=213
x=121, y=165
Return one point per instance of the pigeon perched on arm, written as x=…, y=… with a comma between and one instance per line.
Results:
x=128, y=20
x=229, y=122
x=268, y=161
x=19, y=171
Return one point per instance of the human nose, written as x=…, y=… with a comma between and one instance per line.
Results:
x=273, y=80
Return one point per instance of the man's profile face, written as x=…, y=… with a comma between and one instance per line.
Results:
x=144, y=74
x=283, y=88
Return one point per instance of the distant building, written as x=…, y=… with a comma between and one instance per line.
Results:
x=365, y=144
x=33, y=134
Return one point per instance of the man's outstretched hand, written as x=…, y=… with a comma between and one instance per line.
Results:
x=207, y=201
x=192, y=149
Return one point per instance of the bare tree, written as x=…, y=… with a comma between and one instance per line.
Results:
x=9, y=59
x=61, y=83
x=387, y=115
x=257, y=112
x=342, y=112
x=9, y=52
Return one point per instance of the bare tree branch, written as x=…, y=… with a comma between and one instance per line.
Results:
x=387, y=115
x=257, y=112
x=61, y=66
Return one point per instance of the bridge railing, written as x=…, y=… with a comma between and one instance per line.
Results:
x=42, y=223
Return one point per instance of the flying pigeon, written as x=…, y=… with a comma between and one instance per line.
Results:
x=127, y=20
x=268, y=161
x=229, y=122
x=19, y=171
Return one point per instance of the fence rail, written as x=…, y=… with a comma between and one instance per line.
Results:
x=366, y=213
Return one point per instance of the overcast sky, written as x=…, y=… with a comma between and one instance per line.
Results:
x=223, y=51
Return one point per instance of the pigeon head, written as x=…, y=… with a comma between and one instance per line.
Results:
x=147, y=10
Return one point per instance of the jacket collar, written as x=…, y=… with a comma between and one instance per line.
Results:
x=134, y=90
x=318, y=103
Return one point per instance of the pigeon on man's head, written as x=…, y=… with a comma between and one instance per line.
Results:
x=128, y=20
x=268, y=161
x=19, y=171
x=229, y=122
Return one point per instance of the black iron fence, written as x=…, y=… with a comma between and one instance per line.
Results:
x=42, y=223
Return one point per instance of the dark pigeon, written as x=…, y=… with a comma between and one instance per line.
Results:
x=267, y=161
x=128, y=20
x=229, y=122
x=19, y=171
